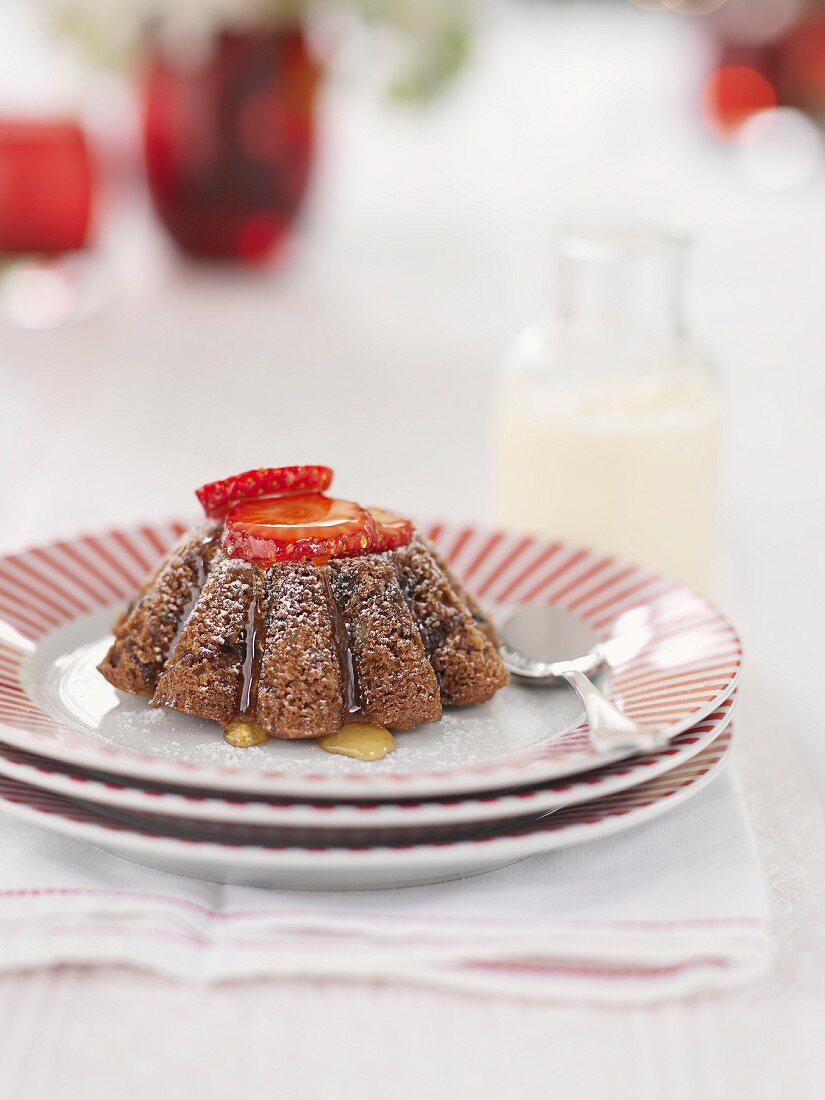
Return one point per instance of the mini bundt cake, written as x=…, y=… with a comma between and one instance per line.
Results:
x=300, y=613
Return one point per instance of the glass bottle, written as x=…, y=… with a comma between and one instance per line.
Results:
x=607, y=418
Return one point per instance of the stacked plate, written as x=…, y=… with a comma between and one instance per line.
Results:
x=483, y=787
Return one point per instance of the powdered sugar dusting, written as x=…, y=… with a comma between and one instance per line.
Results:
x=298, y=647
x=204, y=674
x=299, y=689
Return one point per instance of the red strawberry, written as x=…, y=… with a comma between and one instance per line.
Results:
x=218, y=496
x=392, y=530
x=298, y=527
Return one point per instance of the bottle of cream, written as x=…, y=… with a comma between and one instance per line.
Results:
x=607, y=419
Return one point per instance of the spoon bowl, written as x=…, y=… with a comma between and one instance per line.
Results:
x=536, y=641
x=547, y=644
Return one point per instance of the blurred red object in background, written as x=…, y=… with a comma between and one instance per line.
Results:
x=733, y=93
x=229, y=142
x=784, y=67
x=46, y=183
x=801, y=64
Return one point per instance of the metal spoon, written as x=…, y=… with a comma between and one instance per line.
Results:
x=545, y=644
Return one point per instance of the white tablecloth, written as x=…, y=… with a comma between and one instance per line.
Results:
x=665, y=910
x=79, y=1034
x=375, y=351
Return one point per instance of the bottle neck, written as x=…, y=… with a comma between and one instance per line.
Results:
x=620, y=284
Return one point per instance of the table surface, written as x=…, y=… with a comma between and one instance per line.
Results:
x=374, y=349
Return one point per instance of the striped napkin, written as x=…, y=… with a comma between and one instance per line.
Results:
x=666, y=909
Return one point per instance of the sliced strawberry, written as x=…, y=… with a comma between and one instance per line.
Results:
x=218, y=496
x=392, y=530
x=298, y=527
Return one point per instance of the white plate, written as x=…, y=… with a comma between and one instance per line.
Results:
x=183, y=806
x=672, y=660
x=320, y=868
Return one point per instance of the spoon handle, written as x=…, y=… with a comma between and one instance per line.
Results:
x=609, y=728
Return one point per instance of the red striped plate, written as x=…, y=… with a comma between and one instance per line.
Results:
x=673, y=659
x=323, y=866
x=184, y=807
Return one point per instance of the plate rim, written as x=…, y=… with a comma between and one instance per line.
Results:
x=529, y=839
x=215, y=808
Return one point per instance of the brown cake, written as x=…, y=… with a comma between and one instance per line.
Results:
x=302, y=631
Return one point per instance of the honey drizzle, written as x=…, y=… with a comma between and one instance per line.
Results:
x=359, y=741
x=423, y=634
x=254, y=634
x=352, y=704
x=195, y=589
x=341, y=636
x=243, y=735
